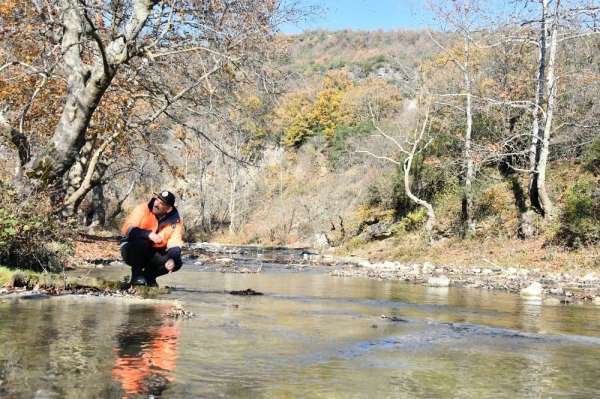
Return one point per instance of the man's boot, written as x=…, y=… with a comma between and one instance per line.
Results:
x=137, y=277
x=151, y=282
x=138, y=280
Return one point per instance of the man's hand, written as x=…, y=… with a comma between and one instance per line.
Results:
x=169, y=265
x=155, y=238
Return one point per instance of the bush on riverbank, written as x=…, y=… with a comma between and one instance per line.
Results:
x=591, y=158
x=31, y=237
x=580, y=220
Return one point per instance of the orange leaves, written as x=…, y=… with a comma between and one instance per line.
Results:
x=7, y=8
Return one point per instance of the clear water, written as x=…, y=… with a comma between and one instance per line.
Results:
x=310, y=336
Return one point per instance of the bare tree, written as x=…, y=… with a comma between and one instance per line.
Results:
x=464, y=19
x=138, y=52
x=410, y=145
x=557, y=22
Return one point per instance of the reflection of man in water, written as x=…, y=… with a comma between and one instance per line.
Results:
x=146, y=354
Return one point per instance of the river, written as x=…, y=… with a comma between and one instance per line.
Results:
x=310, y=335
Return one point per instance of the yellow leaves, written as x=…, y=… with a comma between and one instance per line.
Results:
x=252, y=102
x=327, y=113
x=336, y=80
x=302, y=117
x=339, y=103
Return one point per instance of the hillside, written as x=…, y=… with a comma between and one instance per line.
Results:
x=324, y=193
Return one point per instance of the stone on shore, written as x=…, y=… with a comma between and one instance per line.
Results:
x=440, y=281
x=534, y=290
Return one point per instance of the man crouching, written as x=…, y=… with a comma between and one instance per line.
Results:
x=152, y=239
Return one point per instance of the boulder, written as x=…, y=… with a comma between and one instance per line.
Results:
x=320, y=240
x=534, y=290
x=439, y=281
x=378, y=231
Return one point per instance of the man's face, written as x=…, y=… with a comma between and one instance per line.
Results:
x=159, y=208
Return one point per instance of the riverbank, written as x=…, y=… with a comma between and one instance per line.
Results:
x=22, y=283
x=545, y=281
x=558, y=275
x=548, y=281
x=533, y=283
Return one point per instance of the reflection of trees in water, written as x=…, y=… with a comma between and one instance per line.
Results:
x=146, y=351
x=56, y=347
x=61, y=347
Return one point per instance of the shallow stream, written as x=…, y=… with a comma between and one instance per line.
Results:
x=310, y=335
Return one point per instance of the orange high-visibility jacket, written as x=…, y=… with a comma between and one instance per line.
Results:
x=170, y=227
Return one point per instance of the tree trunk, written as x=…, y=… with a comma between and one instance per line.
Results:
x=551, y=89
x=407, y=165
x=534, y=148
x=431, y=219
x=85, y=87
x=469, y=164
x=94, y=172
x=99, y=215
x=74, y=179
x=546, y=85
x=232, y=209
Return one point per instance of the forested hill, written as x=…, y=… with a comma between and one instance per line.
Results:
x=404, y=144
x=364, y=52
x=347, y=89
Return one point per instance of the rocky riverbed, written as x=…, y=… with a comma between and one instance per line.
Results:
x=553, y=287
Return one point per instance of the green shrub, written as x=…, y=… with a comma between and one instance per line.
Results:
x=592, y=157
x=495, y=201
x=373, y=198
x=30, y=236
x=337, y=147
x=373, y=63
x=580, y=219
x=428, y=182
x=411, y=222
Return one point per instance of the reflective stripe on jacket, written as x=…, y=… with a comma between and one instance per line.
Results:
x=169, y=228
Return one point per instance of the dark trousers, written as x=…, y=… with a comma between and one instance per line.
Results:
x=145, y=260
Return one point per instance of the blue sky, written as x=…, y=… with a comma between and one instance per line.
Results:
x=363, y=15
x=377, y=14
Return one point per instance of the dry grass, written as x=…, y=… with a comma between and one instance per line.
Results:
x=100, y=246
